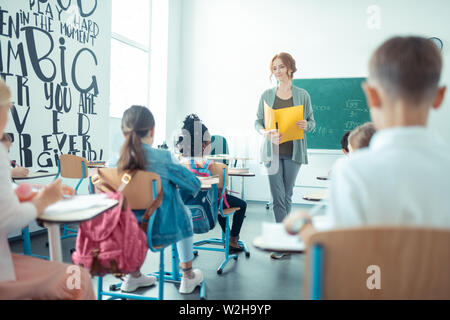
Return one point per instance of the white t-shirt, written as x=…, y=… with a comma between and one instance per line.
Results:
x=13, y=216
x=402, y=178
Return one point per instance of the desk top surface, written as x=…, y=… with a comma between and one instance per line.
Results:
x=317, y=196
x=62, y=213
x=207, y=182
x=240, y=174
x=227, y=157
x=37, y=175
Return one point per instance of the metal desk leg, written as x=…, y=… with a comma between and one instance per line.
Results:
x=243, y=183
x=54, y=241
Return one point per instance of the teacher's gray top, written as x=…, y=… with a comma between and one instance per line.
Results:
x=301, y=97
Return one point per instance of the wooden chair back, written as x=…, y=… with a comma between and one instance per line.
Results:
x=71, y=166
x=379, y=263
x=139, y=191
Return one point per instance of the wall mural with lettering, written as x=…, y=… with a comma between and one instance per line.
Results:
x=55, y=57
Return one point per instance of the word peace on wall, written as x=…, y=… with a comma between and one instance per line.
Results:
x=49, y=53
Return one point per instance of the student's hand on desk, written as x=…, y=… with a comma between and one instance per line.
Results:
x=291, y=219
x=19, y=172
x=47, y=196
x=68, y=191
x=302, y=124
x=292, y=222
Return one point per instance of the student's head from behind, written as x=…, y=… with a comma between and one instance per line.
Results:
x=6, y=140
x=403, y=82
x=5, y=104
x=195, y=140
x=360, y=136
x=138, y=126
x=344, y=142
x=283, y=66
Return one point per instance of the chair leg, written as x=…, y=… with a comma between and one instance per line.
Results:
x=175, y=264
x=66, y=233
x=161, y=275
x=99, y=288
x=26, y=240
x=228, y=257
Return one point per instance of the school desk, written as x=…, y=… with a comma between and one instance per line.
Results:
x=207, y=182
x=316, y=196
x=243, y=175
x=65, y=211
x=275, y=238
x=36, y=175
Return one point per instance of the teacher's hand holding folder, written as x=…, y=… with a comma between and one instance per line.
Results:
x=286, y=122
x=274, y=136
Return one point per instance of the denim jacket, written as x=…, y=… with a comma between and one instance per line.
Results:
x=173, y=221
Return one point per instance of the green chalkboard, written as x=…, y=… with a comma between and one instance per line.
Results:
x=339, y=105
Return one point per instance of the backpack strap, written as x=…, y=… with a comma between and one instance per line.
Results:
x=224, y=197
x=150, y=210
x=195, y=169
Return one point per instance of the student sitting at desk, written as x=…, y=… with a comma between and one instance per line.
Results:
x=360, y=136
x=23, y=277
x=198, y=145
x=16, y=171
x=344, y=143
x=173, y=223
x=403, y=177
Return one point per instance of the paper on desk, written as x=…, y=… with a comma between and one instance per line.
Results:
x=275, y=237
x=76, y=203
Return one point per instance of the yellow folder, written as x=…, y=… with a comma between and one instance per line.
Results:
x=286, y=118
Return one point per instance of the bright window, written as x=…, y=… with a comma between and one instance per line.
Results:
x=130, y=55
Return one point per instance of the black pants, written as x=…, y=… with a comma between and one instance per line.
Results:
x=238, y=216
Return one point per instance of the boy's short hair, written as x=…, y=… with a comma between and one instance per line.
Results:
x=407, y=68
x=344, y=141
x=360, y=136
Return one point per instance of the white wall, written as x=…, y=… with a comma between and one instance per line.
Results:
x=226, y=47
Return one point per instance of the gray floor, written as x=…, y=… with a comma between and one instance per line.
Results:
x=257, y=277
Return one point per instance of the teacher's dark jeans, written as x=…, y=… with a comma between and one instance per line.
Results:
x=238, y=216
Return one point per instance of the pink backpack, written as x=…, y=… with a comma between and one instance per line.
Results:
x=112, y=242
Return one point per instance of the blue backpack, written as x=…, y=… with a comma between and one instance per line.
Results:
x=203, y=206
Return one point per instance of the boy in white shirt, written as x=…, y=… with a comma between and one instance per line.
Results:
x=403, y=177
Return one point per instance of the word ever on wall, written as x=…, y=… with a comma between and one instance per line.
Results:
x=55, y=57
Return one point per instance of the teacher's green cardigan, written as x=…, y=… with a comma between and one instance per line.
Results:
x=301, y=97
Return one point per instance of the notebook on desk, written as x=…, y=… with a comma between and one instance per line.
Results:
x=76, y=203
x=275, y=238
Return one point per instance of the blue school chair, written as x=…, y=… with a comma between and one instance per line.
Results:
x=72, y=167
x=26, y=240
x=143, y=183
x=219, y=145
x=222, y=171
x=383, y=262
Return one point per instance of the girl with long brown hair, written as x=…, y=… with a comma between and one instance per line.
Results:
x=173, y=223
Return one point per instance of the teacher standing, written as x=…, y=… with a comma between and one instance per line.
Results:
x=291, y=154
